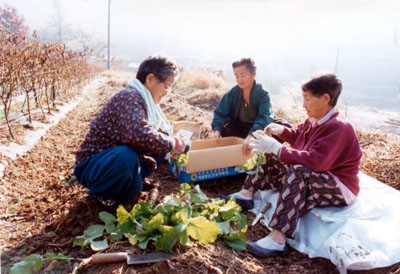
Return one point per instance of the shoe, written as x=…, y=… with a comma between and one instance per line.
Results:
x=104, y=202
x=259, y=251
x=245, y=204
x=148, y=184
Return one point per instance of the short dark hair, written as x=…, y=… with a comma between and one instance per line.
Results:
x=162, y=67
x=326, y=83
x=248, y=62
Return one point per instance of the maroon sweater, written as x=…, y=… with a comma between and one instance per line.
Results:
x=332, y=146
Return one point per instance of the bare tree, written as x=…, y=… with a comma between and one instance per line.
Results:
x=57, y=29
x=88, y=42
x=11, y=21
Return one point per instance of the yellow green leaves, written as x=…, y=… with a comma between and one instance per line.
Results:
x=201, y=229
x=254, y=164
x=181, y=159
x=183, y=218
x=229, y=210
x=122, y=215
x=155, y=223
x=168, y=239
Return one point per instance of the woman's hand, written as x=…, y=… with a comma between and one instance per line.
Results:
x=246, y=145
x=265, y=144
x=217, y=134
x=274, y=129
x=181, y=145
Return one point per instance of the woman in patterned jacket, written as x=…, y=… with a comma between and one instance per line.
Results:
x=129, y=138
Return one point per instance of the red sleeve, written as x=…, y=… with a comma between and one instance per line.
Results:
x=322, y=154
x=290, y=135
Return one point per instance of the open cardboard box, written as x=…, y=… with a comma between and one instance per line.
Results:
x=194, y=127
x=211, y=158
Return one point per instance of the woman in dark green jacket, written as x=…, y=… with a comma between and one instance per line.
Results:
x=245, y=108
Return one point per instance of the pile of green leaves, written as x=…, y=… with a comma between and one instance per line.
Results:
x=254, y=164
x=187, y=217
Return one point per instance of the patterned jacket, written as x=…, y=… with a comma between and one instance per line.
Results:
x=123, y=122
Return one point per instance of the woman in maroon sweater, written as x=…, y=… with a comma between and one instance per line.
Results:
x=318, y=167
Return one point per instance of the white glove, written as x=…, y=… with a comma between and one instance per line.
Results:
x=265, y=144
x=274, y=129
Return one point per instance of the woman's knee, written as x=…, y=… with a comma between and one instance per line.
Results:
x=126, y=157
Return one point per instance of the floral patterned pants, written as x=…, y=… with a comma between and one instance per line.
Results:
x=300, y=190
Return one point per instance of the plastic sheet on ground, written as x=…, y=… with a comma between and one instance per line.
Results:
x=362, y=236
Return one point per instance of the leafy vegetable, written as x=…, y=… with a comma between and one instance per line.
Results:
x=184, y=218
x=89, y=237
x=254, y=164
x=181, y=159
x=31, y=263
x=34, y=262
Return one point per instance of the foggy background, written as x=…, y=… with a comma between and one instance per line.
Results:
x=289, y=39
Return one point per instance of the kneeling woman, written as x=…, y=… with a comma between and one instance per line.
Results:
x=129, y=138
x=319, y=168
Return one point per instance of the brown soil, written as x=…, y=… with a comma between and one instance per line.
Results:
x=40, y=211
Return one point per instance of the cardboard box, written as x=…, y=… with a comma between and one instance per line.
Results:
x=194, y=127
x=211, y=158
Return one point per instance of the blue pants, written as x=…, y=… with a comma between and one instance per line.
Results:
x=115, y=173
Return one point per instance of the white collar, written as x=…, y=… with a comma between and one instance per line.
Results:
x=315, y=122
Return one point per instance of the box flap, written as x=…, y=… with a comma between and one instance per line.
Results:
x=213, y=143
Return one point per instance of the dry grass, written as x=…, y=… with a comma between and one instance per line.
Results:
x=203, y=79
x=381, y=156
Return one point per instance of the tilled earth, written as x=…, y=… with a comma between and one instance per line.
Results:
x=41, y=211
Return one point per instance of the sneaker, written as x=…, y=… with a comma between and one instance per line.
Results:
x=104, y=202
x=148, y=184
x=259, y=251
x=244, y=203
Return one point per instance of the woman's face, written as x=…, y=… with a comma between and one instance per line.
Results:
x=316, y=107
x=244, y=78
x=157, y=88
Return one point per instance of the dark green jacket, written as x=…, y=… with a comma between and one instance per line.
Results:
x=228, y=108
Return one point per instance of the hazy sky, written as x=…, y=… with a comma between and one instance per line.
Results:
x=289, y=39
x=236, y=27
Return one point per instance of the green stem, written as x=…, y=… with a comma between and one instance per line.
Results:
x=258, y=165
x=66, y=259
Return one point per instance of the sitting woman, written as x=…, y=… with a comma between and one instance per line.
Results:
x=243, y=109
x=129, y=138
x=318, y=169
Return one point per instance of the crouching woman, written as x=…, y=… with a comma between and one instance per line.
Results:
x=319, y=167
x=129, y=138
